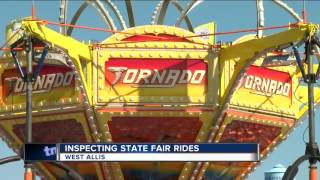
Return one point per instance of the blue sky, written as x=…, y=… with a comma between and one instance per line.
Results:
x=229, y=15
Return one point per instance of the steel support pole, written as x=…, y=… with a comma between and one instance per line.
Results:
x=312, y=142
x=311, y=102
x=28, y=124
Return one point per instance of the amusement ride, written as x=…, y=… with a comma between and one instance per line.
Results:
x=156, y=83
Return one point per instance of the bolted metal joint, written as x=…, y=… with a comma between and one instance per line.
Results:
x=313, y=150
x=312, y=78
x=29, y=77
x=27, y=43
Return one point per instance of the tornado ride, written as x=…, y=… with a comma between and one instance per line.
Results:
x=153, y=83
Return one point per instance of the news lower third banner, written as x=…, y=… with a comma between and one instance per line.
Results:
x=141, y=152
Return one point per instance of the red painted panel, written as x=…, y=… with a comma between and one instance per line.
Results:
x=267, y=81
x=51, y=76
x=155, y=72
x=58, y=131
x=153, y=37
x=53, y=131
x=247, y=132
x=154, y=129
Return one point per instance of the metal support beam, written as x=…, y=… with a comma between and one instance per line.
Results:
x=260, y=18
x=41, y=62
x=72, y=174
x=9, y=159
x=63, y=15
x=299, y=62
x=100, y=10
x=291, y=11
x=130, y=13
x=187, y=10
x=17, y=63
x=312, y=151
x=28, y=124
x=163, y=11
